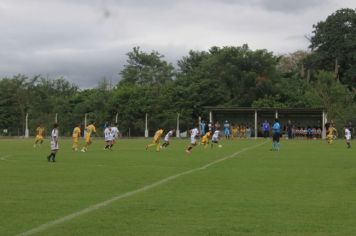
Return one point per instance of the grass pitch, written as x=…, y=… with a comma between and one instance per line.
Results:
x=307, y=188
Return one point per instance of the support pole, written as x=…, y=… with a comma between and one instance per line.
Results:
x=276, y=114
x=27, y=133
x=210, y=117
x=56, y=118
x=256, y=129
x=323, y=122
x=146, y=127
x=199, y=122
x=116, y=118
x=85, y=123
x=178, y=131
x=85, y=120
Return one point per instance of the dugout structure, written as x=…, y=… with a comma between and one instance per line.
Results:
x=254, y=117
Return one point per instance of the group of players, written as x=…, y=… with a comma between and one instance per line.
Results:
x=111, y=134
x=331, y=133
x=194, y=135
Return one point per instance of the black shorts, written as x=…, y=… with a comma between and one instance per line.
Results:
x=276, y=137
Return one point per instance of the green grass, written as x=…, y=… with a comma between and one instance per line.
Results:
x=307, y=188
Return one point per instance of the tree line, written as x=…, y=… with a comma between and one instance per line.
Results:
x=227, y=76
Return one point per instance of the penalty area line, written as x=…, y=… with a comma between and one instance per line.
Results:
x=131, y=193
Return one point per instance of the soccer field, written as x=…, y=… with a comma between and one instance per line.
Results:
x=243, y=188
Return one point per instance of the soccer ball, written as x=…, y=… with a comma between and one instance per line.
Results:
x=220, y=146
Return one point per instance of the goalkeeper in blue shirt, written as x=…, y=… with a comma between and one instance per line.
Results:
x=276, y=131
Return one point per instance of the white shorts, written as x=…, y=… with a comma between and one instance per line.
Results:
x=348, y=137
x=54, y=146
x=215, y=139
x=193, y=140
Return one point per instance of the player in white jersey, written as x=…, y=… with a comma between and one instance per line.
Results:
x=193, y=142
x=115, y=132
x=215, y=138
x=348, y=137
x=54, y=143
x=167, y=138
x=108, y=135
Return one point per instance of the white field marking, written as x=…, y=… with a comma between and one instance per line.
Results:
x=4, y=158
x=131, y=193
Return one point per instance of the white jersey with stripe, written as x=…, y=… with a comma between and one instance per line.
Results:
x=347, y=134
x=216, y=135
x=108, y=134
x=115, y=132
x=168, y=135
x=54, y=139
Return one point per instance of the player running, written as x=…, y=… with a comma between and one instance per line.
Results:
x=88, y=131
x=193, y=142
x=115, y=133
x=39, y=135
x=205, y=139
x=108, y=135
x=215, y=139
x=54, y=144
x=348, y=136
x=75, y=137
x=331, y=133
x=167, y=138
x=155, y=141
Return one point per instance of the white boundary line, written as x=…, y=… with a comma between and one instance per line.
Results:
x=128, y=194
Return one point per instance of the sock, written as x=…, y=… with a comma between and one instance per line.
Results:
x=49, y=158
x=53, y=157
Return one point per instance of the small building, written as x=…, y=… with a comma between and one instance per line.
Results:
x=254, y=117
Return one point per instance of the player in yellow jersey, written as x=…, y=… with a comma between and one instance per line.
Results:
x=331, y=133
x=39, y=135
x=155, y=141
x=87, y=136
x=205, y=139
x=75, y=137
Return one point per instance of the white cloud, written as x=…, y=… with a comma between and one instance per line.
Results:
x=85, y=40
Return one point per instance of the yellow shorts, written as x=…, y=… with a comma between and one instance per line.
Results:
x=87, y=139
x=39, y=138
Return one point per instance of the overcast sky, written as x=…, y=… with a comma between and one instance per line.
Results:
x=85, y=40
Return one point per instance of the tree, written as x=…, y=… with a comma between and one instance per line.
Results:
x=146, y=69
x=338, y=100
x=292, y=64
x=334, y=44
